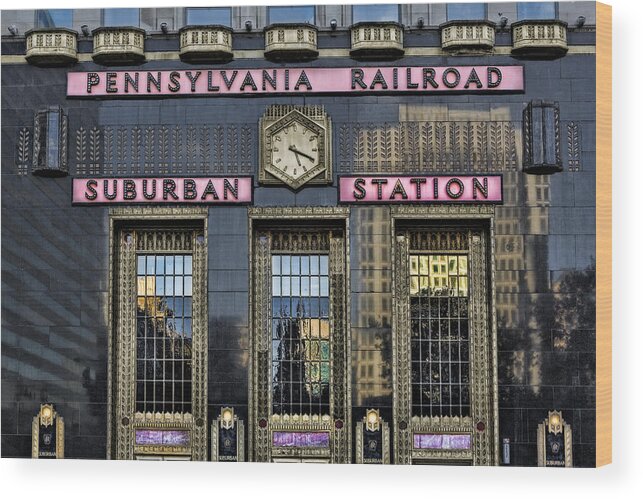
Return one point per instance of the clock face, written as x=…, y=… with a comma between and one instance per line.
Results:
x=295, y=149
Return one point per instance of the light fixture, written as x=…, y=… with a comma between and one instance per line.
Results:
x=85, y=29
x=420, y=22
x=333, y=24
x=13, y=30
x=226, y=414
x=580, y=22
x=503, y=22
x=164, y=28
x=248, y=25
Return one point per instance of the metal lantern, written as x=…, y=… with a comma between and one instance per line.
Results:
x=541, y=138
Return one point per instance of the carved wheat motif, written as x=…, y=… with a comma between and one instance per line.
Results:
x=108, y=150
x=218, y=151
x=177, y=153
x=204, y=149
x=573, y=147
x=149, y=149
x=164, y=150
x=23, y=151
x=344, y=148
x=191, y=150
x=136, y=150
x=245, y=149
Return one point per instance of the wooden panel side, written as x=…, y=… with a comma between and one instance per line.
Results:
x=604, y=235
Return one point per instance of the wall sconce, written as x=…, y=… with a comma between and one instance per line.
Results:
x=580, y=22
x=248, y=25
x=541, y=138
x=85, y=29
x=164, y=28
x=420, y=22
x=333, y=24
x=503, y=22
x=50, y=143
x=13, y=30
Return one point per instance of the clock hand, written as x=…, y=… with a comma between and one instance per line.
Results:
x=296, y=156
x=294, y=149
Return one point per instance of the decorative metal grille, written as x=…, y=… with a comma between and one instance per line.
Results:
x=439, y=307
x=164, y=333
x=300, y=334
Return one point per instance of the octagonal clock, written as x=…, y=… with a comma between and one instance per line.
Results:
x=295, y=146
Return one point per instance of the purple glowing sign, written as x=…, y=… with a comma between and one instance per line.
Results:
x=163, y=437
x=437, y=441
x=300, y=439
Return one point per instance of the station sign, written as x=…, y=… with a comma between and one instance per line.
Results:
x=257, y=81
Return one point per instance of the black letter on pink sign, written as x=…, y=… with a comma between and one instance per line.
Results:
x=359, y=192
x=153, y=81
x=91, y=184
x=227, y=186
x=450, y=193
x=194, y=78
x=147, y=195
x=189, y=189
x=357, y=78
x=129, y=189
x=379, y=182
x=399, y=189
x=106, y=187
x=111, y=83
x=129, y=81
x=473, y=78
x=484, y=189
x=418, y=186
x=169, y=186
x=491, y=71
x=209, y=189
x=92, y=80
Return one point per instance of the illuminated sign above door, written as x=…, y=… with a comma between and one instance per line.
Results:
x=243, y=82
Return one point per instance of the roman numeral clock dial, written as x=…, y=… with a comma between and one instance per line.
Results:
x=295, y=146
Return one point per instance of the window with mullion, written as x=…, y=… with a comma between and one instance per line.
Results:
x=536, y=10
x=300, y=334
x=54, y=18
x=439, y=314
x=376, y=13
x=466, y=11
x=164, y=333
x=208, y=15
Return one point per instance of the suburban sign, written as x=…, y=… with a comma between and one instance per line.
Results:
x=170, y=190
x=421, y=189
x=416, y=79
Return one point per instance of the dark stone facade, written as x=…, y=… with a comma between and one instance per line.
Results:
x=55, y=257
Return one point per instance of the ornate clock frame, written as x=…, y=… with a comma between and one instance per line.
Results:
x=278, y=117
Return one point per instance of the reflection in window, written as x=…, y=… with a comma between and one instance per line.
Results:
x=536, y=10
x=439, y=288
x=373, y=13
x=295, y=14
x=55, y=18
x=164, y=333
x=300, y=334
x=121, y=17
x=465, y=11
x=210, y=15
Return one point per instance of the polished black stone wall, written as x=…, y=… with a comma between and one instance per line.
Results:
x=55, y=256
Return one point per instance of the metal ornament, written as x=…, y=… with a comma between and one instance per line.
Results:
x=372, y=439
x=295, y=146
x=554, y=441
x=47, y=434
x=227, y=437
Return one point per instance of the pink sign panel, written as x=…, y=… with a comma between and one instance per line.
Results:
x=441, y=441
x=421, y=189
x=213, y=82
x=170, y=190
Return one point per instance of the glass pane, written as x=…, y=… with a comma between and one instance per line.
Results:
x=300, y=361
x=121, y=17
x=292, y=14
x=212, y=15
x=58, y=18
x=464, y=11
x=536, y=10
x=163, y=358
x=439, y=334
x=375, y=12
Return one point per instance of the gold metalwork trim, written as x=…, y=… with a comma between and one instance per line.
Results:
x=121, y=417
x=484, y=396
